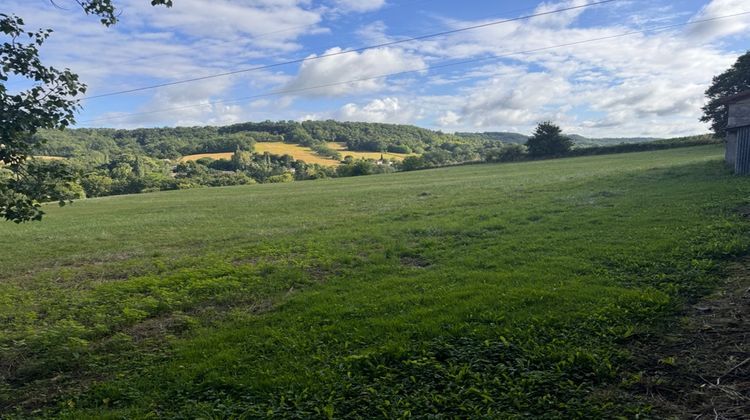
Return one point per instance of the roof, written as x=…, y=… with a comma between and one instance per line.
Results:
x=735, y=98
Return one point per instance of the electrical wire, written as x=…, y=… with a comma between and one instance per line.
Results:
x=351, y=51
x=416, y=70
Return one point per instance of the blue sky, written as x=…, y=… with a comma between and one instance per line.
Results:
x=644, y=84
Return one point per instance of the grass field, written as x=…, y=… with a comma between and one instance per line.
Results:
x=300, y=153
x=493, y=291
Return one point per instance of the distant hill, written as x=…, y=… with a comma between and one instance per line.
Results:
x=175, y=142
x=102, y=144
x=581, y=141
x=609, y=141
x=114, y=161
x=503, y=136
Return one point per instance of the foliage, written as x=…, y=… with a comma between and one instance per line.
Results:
x=734, y=80
x=458, y=292
x=502, y=137
x=547, y=141
x=323, y=150
x=412, y=163
x=171, y=143
x=106, y=10
x=110, y=161
x=358, y=167
x=508, y=153
x=690, y=141
x=48, y=104
x=578, y=140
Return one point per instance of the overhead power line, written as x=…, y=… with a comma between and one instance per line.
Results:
x=277, y=55
x=351, y=51
x=247, y=39
x=418, y=70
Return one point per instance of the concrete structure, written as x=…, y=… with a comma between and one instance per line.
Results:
x=738, y=132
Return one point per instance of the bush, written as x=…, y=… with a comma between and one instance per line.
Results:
x=285, y=177
x=323, y=150
x=399, y=148
x=507, y=153
x=412, y=163
x=206, y=161
x=97, y=185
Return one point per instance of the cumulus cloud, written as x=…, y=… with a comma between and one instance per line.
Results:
x=650, y=83
x=644, y=84
x=152, y=45
x=362, y=68
x=178, y=106
x=378, y=110
x=268, y=23
x=721, y=28
x=449, y=119
x=515, y=99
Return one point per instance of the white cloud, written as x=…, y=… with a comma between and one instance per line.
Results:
x=558, y=20
x=721, y=28
x=269, y=23
x=359, y=5
x=362, y=68
x=378, y=110
x=515, y=99
x=649, y=83
x=449, y=119
x=374, y=33
x=152, y=44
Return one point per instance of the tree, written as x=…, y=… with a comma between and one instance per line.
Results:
x=241, y=160
x=49, y=103
x=735, y=80
x=508, y=153
x=97, y=185
x=548, y=141
x=412, y=163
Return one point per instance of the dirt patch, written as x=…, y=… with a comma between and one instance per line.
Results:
x=701, y=370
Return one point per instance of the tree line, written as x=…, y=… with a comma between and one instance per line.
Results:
x=101, y=162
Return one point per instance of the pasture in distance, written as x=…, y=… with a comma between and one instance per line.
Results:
x=302, y=153
x=483, y=290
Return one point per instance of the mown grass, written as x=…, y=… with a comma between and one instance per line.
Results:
x=487, y=290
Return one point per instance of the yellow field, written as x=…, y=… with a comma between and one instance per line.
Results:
x=48, y=157
x=300, y=153
x=341, y=147
x=217, y=156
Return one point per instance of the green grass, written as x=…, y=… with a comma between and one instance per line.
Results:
x=486, y=290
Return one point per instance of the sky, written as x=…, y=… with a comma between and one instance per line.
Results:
x=648, y=83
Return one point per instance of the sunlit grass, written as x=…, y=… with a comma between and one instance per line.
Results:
x=476, y=291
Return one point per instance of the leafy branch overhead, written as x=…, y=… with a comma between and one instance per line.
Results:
x=49, y=103
x=106, y=10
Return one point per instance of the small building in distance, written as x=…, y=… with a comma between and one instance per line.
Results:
x=738, y=132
